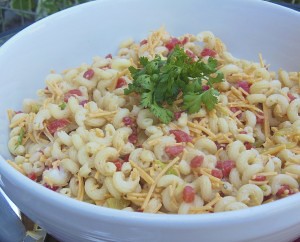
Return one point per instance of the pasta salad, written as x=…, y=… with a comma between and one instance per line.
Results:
x=168, y=125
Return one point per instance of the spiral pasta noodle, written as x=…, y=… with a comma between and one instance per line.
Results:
x=85, y=139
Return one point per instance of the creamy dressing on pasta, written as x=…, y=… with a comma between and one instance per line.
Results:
x=85, y=139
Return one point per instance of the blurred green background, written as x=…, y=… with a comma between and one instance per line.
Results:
x=17, y=14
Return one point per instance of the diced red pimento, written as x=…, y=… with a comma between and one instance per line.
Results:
x=72, y=93
x=205, y=87
x=83, y=102
x=143, y=42
x=248, y=146
x=219, y=165
x=260, y=120
x=126, y=158
x=57, y=124
x=170, y=45
x=177, y=115
x=185, y=40
x=109, y=56
x=190, y=54
x=291, y=96
x=53, y=188
x=188, y=194
x=217, y=173
x=244, y=85
x=234, y=110
x=128, y=121
x=121, y=82
x=118, y=163
x=181, y=136
x=220, y=146
x=106, y=67
x=259, y=178
x=208, y=52
x=32, y=176
x=284, y=190
x=173, y=151
x=89, y=74
x=75, y=92
x=133, y=138
x=267, y=197
x=226, y=166
x=197, y=161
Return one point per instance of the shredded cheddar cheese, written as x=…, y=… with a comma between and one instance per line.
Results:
x=80, y=193
x=143, y=174
x=274, y=150
x=167, y=167
x=165, y=124
x=266, y=120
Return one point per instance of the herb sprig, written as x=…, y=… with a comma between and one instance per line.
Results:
x=160, y=82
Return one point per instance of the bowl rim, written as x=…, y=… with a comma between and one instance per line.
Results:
x=8, y=172
x=37, y=190
x=56, y=15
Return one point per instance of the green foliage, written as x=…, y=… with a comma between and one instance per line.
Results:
x=24, y=7
x=41, y=8
x=47, y=7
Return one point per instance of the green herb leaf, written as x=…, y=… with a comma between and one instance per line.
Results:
x=146, y=99
x=165, y=115
x=209, y=98
x=192, y=101
x=159, y=83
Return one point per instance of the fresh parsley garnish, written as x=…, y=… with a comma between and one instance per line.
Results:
x=160, y=82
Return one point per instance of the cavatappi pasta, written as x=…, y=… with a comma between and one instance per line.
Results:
x=85, y=139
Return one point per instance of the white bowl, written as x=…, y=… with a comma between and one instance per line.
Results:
x=74, y=36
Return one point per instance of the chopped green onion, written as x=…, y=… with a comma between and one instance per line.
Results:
x=20, y=137
x=63, y=106
x=35, y=108
x=263, y=188
x=171, y=171
x=117, y=203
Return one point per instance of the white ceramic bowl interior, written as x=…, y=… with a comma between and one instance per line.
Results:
x=74, y=36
